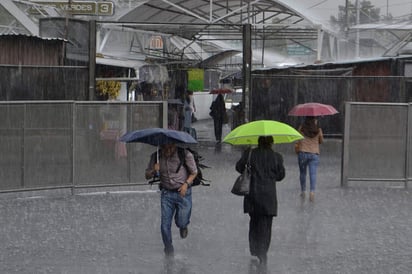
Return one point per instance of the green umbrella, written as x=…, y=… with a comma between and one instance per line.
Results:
x=248, y=134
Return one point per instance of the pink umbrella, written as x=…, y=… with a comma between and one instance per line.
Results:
x=312, y=109
x=221, y=91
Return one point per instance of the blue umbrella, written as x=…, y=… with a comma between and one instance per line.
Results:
x=158, y=136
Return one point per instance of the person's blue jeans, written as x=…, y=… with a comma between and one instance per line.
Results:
x=306, y=160
x=172, y=204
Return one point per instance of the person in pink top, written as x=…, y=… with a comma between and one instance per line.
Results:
x=308, y=154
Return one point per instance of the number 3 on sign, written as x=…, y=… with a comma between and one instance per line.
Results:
x=105, y=8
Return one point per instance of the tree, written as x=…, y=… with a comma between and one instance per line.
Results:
x=367, y=14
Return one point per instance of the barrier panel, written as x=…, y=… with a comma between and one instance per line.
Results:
x=376, y=145
x=60, y=144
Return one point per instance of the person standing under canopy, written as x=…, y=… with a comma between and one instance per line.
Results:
x=218, y=113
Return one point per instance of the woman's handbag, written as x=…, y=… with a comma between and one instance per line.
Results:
x=242, y=183
x=225, y=118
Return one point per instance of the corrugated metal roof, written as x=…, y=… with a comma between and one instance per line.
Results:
x=135, y=64
x=344, y=62
x=33, y=36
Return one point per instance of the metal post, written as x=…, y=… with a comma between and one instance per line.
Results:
x=92, y=59
x=246, y=71
x=347, y=18
x=23, y=151
x=73, y=144
x=345, y=146
x=357, y=30
x=407, y=145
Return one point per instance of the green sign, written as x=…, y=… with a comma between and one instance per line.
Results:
x=79, y=8
x=298, y=50
x=195, y=79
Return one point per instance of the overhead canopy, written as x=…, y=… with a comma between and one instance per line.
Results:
x=195, y=30
x=212, y=27
x=222, y=18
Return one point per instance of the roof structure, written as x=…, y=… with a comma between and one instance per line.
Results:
x=398, y=36
x=382, y=26
x=190, y=32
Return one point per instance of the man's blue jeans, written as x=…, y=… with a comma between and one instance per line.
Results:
x=306, y=160
x=172, y=204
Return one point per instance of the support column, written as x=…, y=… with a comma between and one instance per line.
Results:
x=92, y=60
x=246, y=70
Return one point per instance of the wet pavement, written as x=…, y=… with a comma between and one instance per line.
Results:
x=358, y=229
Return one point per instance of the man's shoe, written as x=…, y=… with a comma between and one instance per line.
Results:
x=169, y=251
x=183, y=232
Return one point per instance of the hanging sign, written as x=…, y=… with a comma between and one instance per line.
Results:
x=78, y=8
x=196, y=79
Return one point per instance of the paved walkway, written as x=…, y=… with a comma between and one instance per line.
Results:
x=205, y=131
x=346, y=230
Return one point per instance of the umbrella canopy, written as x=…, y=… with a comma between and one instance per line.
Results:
x=158, y=136
x=248, y=134
x=312, y=109
x=221, y=91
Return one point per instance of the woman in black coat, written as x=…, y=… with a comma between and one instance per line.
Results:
x=261, y=203
x=218, y=113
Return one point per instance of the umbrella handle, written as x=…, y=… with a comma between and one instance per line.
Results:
x=157, y=172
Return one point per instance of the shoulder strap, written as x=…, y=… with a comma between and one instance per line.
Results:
x=181, y=152
x=248, y=157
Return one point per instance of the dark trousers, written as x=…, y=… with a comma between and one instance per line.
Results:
x=218, y=123
x=260, y=233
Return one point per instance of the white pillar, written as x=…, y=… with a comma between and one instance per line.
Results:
x=320, y=43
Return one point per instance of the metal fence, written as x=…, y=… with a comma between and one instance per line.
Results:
x=377, y=143
x=273, y=96
x=61, y=144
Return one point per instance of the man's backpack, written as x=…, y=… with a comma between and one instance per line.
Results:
x=199, y=180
